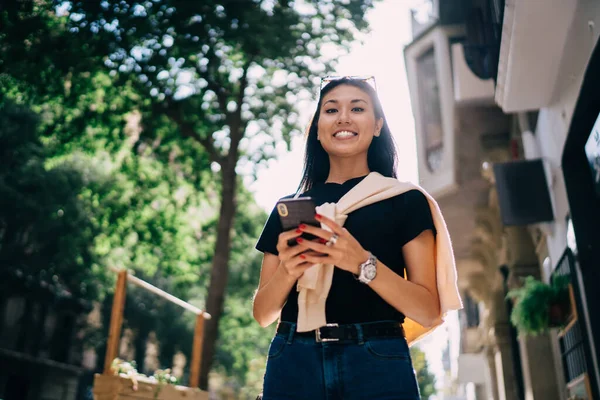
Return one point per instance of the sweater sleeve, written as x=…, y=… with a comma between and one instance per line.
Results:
x=416, y=216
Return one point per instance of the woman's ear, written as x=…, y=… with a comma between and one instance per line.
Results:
x=378, y=126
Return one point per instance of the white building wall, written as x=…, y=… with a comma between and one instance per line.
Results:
x=553, y=126
x=554, y=120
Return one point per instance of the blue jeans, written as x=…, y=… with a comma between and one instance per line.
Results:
x=300, y=368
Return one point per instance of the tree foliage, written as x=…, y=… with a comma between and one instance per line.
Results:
x=165, y=103
x=227, y=74
x=425, y=378
x=223, y=70
x=45, y=226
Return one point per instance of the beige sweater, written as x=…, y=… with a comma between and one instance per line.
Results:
x=315, y=283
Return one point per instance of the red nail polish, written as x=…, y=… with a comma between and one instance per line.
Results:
x=318, y=216
x=323, y=241
x=299, y=240
x=302, y=256
x=298, y=231
x=302, y=226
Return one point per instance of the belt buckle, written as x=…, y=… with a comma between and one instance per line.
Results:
x=318, y=338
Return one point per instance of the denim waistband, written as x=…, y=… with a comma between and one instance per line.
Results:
x=353, y=333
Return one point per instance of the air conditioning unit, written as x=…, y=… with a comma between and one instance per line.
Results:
x=469, y=89
x=429, y=72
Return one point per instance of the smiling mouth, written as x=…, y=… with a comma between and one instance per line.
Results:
x=344, y=134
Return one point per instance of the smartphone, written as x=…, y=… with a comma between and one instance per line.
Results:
x=293, y=212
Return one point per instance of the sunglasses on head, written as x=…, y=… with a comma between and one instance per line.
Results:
x=370, y=79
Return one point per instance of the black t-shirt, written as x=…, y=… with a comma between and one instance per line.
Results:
x=381, y=228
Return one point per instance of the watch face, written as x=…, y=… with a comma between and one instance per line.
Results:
x=370, y=271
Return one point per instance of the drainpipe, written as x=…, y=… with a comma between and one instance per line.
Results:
x=532, y=150
x=530, y=145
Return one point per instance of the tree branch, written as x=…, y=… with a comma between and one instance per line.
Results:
x=213, y=84
x=187, y=130
x=237, y=129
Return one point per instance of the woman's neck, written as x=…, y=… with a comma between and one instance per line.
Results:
x=342, y=170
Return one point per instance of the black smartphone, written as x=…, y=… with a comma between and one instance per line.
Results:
x=293, y=212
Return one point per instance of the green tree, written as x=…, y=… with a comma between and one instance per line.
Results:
x=227, y=74
x=46, y=233
x=215, y=84
x=425, y=378
x=141, y=211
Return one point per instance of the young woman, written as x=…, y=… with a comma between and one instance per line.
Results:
x=361, y=353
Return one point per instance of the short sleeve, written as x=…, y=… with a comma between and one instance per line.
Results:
x=267, y=243
x=416, y=217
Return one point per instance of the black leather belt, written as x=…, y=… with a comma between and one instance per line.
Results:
x=348, y=332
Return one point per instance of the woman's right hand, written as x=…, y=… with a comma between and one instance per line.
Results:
x=291, y=256
x=278, y=276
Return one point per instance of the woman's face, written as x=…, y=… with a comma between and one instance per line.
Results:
x=347, y=122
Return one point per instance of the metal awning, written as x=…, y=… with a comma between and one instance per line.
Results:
x=523, y=194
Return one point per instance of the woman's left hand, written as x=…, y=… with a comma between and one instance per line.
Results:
x=346, y=253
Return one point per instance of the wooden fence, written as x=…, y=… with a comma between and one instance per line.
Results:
x=116, y=322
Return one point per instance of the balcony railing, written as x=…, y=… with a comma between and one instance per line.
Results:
x=573, y=339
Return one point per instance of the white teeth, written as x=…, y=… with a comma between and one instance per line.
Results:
x=344, y=134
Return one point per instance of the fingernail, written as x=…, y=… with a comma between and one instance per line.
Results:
x=302, y=256
x=298, y=231
x=322, y=241
x=318, y=216
x=299, y=240
x=301, y=226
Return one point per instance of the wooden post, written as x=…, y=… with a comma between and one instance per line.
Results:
x=116, y=321
x=197, y=351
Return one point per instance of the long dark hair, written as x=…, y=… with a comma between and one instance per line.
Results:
x=381, y=156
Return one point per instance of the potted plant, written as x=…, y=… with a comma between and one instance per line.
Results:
x=126, y=382
x=539, y=306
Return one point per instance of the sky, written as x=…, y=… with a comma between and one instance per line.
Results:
x=381, y=55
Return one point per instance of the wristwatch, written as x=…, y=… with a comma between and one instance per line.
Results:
x=368, y=269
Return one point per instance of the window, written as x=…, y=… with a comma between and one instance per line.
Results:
x=471, y=311
x=430, y=109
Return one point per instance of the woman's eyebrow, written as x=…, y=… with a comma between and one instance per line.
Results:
x=352, y=101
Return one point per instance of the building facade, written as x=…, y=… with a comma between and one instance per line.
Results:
x=505, y=96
